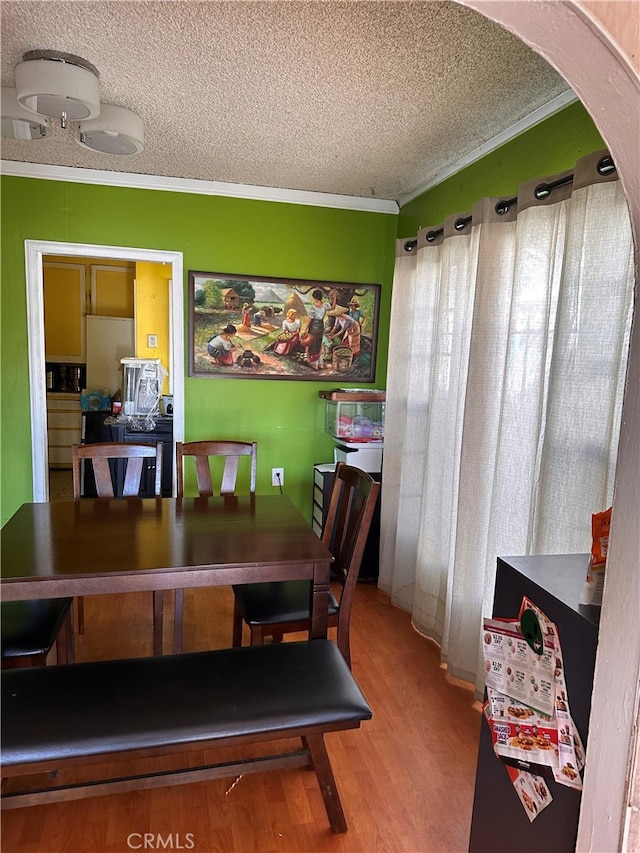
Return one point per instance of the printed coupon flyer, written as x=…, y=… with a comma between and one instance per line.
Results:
x=527, y=706
x=513, y=668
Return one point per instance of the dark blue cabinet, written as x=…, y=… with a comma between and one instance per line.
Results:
x=96, y=428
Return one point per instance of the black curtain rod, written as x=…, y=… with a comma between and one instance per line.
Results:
x=540, y=192
x=459, y=224
x=605, y=167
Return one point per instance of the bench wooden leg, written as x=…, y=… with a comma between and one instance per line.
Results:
x=315, y=751
x=318, y=751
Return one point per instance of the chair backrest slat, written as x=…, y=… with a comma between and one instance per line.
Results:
x=203, y=474
x=100, y=455
x=132, y=477
x=202, y=453
x=102, y=476
x=229, y=475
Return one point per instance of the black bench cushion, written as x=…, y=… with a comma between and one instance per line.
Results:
x=31, y=627
x=111, y=706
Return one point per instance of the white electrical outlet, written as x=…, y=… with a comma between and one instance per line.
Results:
x=152, y=341
x=277, y=476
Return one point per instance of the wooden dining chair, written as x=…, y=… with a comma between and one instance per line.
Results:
x=30, y=629
x=205, y=454
x=107, y=486
x=111, y=483
x=283, y=607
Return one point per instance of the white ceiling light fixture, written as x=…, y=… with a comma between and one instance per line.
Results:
x=66, y=87
x=18, y=123
x=58, y=85
x=115, y=131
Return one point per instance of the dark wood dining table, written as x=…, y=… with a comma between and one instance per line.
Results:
x=94, y=547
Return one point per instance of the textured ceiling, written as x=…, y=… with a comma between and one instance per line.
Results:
x=373, y=99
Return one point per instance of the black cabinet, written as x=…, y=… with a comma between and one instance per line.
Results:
x=499, y=822
x=322, y=484
x=96, y=428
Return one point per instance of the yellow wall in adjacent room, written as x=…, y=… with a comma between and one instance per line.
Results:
x=152, y=312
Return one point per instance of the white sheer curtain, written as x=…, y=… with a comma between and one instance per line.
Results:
x=508, y=344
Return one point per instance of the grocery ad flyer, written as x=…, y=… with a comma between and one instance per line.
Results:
x=527, y=708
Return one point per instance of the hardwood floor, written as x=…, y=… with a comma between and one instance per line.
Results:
x=405, y=778
x=60, y=484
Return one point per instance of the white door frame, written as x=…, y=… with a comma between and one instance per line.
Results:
x=34, y=251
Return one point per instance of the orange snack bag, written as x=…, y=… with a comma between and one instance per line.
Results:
x=600, y=524
x=594, y=583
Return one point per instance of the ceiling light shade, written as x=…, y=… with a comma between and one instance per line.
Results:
x=18, y=123
x=115, y=131
x=59, y=85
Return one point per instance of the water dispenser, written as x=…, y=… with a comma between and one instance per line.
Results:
x=143, y=381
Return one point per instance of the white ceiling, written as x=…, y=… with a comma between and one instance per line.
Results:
x=370, y=99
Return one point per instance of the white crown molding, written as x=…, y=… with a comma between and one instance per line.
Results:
x=72, y=174
x=545, y=111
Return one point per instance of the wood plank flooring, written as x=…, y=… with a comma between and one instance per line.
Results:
x=405, y=778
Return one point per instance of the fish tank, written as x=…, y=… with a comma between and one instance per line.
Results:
x=354, y=415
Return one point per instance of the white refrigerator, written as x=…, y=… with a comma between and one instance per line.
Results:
x=109, y=339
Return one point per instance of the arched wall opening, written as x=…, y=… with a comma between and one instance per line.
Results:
x=609, y=87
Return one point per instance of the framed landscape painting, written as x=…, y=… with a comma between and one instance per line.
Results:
x=248, y=327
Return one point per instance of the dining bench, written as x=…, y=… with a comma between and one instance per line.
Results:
x=66, y=716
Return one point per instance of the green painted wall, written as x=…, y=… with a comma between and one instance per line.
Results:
x=253, y=238
x=286, y=418
x=550, y=147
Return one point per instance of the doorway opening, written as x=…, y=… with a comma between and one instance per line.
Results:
x=34, y=251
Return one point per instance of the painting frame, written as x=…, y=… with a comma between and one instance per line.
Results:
x=266, y=327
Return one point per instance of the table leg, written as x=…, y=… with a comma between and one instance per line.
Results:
x=158, y=620
x=178, y=627
x=319, y=602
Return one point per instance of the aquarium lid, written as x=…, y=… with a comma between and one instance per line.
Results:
x=354, y=395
